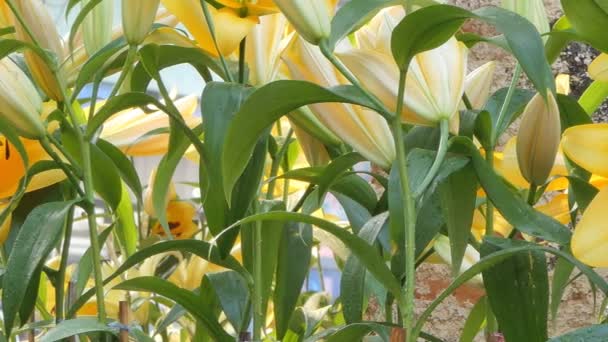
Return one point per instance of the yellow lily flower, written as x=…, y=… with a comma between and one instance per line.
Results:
x=364, y=130
x=44, y=31
x=148, y=201
x=5, y=227
x=6, y=18
x=127, y=130
x=587, y=146
x=181, y=216
x=251, y=7
x=598, y=69
x=538, y=138
x=435, y=80
x=230, y=28
x=189, y=273
x=12, y=168
x=557, y=208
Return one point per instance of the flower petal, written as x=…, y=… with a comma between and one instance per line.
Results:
x=587, y=146
x=590, y=240
x=598, y=69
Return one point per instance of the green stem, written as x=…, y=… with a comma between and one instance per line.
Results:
x=532, y=194
x=85, y=151
x=258, y=314
x=46, y=145
x=409, y=218
x=65, y=252
x=320, y=269
x=444, y=125
x=506, y=103
x=126, y=70
x=467, y=102
x=211, y=26
x=489, y=204
x=385, y=112
x=242, y=50
x=276, y=164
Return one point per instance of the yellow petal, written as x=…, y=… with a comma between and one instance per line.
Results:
x=181, y=216
x=590, y=240
x=587, y=146
x=562, y=83
x=230, y=28
x=478, y=84
x=259, y=7
x=598, y=69
x=557, y=208
x=501, y=226
x=12, y=167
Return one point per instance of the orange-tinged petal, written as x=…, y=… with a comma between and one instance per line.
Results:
x=598, y=69
x=587, y=146
x=259, y=7
x=181, y=216
x=590, y=240
x=12, y=168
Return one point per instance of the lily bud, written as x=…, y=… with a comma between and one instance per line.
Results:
x=148, y=201
x=20, y=104
x=314, y=151
x=533, y=10
x=311, y=18
x=137, y=19
x=367, y=132
x=97, y=26
x=538, y=138
x=40, y=24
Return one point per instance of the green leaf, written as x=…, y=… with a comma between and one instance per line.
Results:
x=582, y=191
x=588, y=17
x=265, y=106
x=357, y=214
x=510, y=205
x=519, y=100
x=356, y=332
x=594, y=96
x=97, y=62
x=85, y=265
x=352, y=284
x=475, y=321
x=571, y=112
x=77, y=326
x=458, y=195
x=221, y=101
x=39, y=234
x=336, y=168
x=596, y=333
x=430, y=27
x=126, y=229
x=370, y=258
x=125, y=166
x=171, y=55
x=518, y=292
x=292, y=267
x=199, y=248
x=185, y=298
x=232, y=294
x=500, y=256
x=561, y=278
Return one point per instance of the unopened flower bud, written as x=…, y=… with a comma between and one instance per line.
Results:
x=311, y=18
x=538, y=138
x=97, y=26
x=20, y=104
x=137, y=19
x=44, y=31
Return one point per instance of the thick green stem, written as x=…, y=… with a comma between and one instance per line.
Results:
x=320, y=269
x=385, y=112
x=85, y=151
x=65, y=252
x=532, y=194
x=409, y=218
x=242, y=50
x=441, y=152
